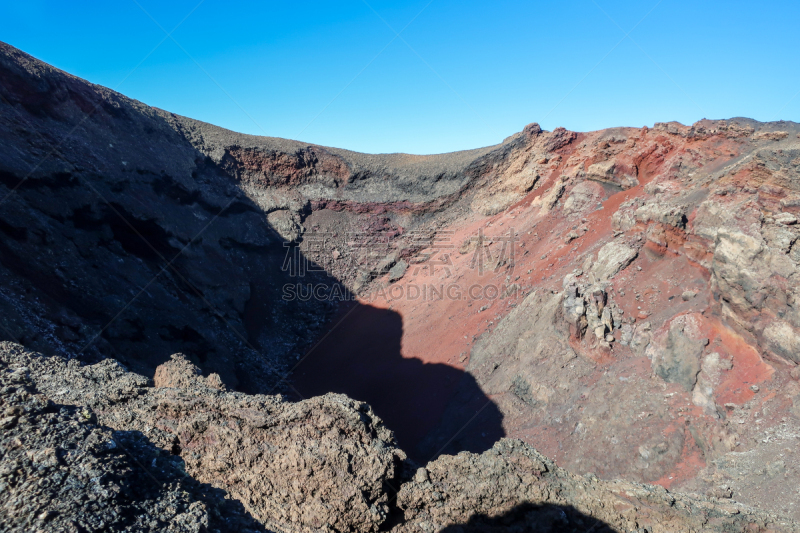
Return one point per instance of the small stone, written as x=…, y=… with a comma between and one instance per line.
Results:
x=688, y=295
x=421, y=476
x=785, y=218
x=8, y=422
x=398, y=270
x=609, y=338
x=335, y=254
x=795, y=373
x=754, y=388
x=722, y=491
x=776, y=468
x=87, y=415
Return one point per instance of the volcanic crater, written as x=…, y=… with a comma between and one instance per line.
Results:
x=210, y=331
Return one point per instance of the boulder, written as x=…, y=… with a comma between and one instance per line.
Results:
x=612, y=258
x=676, y=351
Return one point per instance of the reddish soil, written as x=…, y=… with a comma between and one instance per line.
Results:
x=405, y=348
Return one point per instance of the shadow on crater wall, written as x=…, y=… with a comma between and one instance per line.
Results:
x=136, y=245
x=362, y=357
x=529, y=517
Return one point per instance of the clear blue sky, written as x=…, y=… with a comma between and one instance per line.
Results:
x=462, y=74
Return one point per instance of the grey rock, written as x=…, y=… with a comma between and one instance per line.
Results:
x=62, y=472
x=676, y=353
x=512, y=487
x=398, y=270
x=612, y=258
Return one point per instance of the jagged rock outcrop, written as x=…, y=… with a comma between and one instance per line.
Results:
x=323, y=464
x=180, y=373
x=512, y=487
x=61, y=471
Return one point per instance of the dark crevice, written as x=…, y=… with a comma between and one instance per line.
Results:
x=55, y=181
x=16, y=233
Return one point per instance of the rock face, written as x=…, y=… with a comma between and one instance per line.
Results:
x=654, y=334
x=612, y=258
x=325, y=464
x=624, y=301
x=134, y=233
x=119, y=234
x=514, y=488
x=61, y=471
x=179, y=372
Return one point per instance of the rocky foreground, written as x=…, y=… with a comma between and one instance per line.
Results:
x=643, y=325
x=96, y=447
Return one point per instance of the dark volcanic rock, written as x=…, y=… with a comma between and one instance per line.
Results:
x=323, y=464
x=134, y=233
x=512, y=487
x=61, y=471
x=122, y=239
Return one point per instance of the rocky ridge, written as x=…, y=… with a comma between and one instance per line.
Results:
x=118, y=452
x=61, y=471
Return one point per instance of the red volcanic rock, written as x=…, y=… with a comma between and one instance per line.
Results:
x=532, y=130
x=705, y=217
x=559, y=138
x=274, y=168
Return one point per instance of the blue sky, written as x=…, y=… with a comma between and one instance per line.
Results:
x=461, y=74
